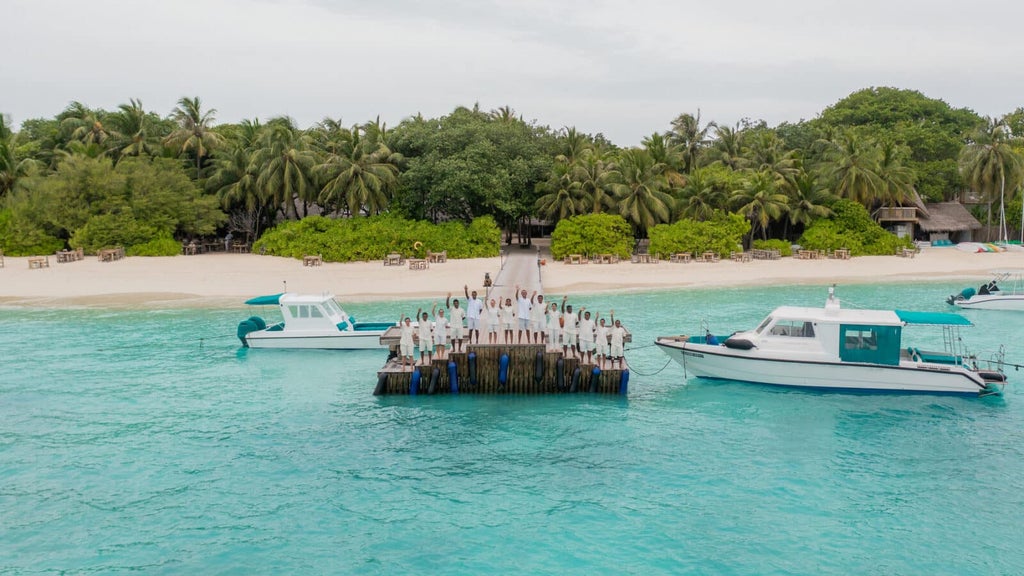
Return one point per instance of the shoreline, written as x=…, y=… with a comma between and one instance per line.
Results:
x=226, y=280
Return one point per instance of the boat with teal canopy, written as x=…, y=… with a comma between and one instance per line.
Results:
x=309, y=321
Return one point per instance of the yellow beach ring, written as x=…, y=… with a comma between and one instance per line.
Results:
x=417, y=245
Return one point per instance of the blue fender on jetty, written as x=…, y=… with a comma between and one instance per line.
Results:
x=624, y=383
x=538, y=368
x=453, y=376
x=503, y=369
x=595, y=377
x=414, y=385
x=575, y=380
x=382, y=385
x=472, y=368
x=434, y=376
x=560, y=374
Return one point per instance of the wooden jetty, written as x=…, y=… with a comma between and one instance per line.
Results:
x=521, y=376
x=530, y=368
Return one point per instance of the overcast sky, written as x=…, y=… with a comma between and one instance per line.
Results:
x=622, y=68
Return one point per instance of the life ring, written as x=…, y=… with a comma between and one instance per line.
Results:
x=417, y=245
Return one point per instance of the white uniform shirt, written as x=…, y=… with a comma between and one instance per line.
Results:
x=457, y=314
x=618, y=334
x=524, y=308
x=587, y=330
x=492, y=315
x=473, y=308
x=424, y=329
x=537, y=314
x=407, y=331
x=570, y=323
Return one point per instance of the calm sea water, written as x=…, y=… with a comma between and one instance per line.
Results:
x=148, y=441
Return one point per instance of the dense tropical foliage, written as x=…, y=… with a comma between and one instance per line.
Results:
x=90, y=177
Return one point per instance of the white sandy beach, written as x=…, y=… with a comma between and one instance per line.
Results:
x=212, y=280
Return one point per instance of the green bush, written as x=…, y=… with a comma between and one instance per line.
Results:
x=361, y=239
x=722, y=234
x=592, y=234
x=784, y=247
x=106, y=230
x=23, y=237
x=164, y=246
x=851, y=227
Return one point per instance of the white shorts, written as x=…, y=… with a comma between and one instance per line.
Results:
x=474, y=323
x=602, y=348
x=507, y=325
x=616, y=351
x=569, y=339
x=524, y=323
x=405, y=349
x=537, y=325
x=493, y=327
x=553, y=335
x=457, y=332
x=586, y=345
x=440, y=339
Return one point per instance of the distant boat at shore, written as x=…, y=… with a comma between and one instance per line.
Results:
x=839, y=349
x=309, y=321
x=1005, y=291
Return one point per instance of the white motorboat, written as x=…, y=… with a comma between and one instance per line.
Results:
x=309, y=321
x=836, y=348
x=1004, y=292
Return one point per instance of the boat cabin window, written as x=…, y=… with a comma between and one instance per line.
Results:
x=862, y=339
x=332, y=308
x=764, y=324
x=314, y=312
x=293, y=310
x=796, y=328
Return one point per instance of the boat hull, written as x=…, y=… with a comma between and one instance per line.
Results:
x=718, y=362
x=992, y=302
x=356, y=340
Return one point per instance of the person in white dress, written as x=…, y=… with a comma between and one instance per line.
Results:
x=569, y=329
x=440, y=331
x=474, y=314
x=523, y=307
x=426, y=339
x=405, y=343
x=456, y=315
x=601, y=338
x=586, y=327
x=618, y=334
x=508, y=319
x=493, y=321
x=554, y=326
x=537, y=317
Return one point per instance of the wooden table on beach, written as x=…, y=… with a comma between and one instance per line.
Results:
x=418, y=264
x=709, y=256
x=680, y=257
x=38, y=262
x=393, y=259
x=841, y=254
x=574, y=259
x=437, y=257
x=189, y=249
x=240, y=248
x=313, y=260
x=111, y=254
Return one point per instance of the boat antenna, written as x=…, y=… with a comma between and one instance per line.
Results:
x=285, y=282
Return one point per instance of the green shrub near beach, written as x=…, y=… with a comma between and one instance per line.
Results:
x=784, y=247
x=722, y=234
x=592, y=234
x=356, y=239
x=851, y=227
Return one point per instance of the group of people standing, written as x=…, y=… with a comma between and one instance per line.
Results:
x=579, y=333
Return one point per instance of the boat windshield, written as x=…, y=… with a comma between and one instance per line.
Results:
x=797, y=328
x=333, y=308
x=764, y=325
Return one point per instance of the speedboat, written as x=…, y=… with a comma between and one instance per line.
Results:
x=309, y=321
x=836, y=348
x=1004, y=292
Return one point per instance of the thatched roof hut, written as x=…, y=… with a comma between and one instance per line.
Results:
x=947, y=220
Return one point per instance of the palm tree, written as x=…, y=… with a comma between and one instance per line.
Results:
x=760, y=201
x=897, y=180
x=12, y=168
x=561, y=196
x=727, y=149
x=688, y=135
x=851, y=165
x=701, y=197
x=767, y=152
x=284, y=162
x=808, y=200
x=666, y=157
x=572, y=145
x=505, y=114
x=594, y=176
x=194, y=131
x=988, y=164
x=85, y=125
x=359, y=173
x=641, y=194
x=134, y=125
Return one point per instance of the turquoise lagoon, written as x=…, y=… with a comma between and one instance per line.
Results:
x=148, y=441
